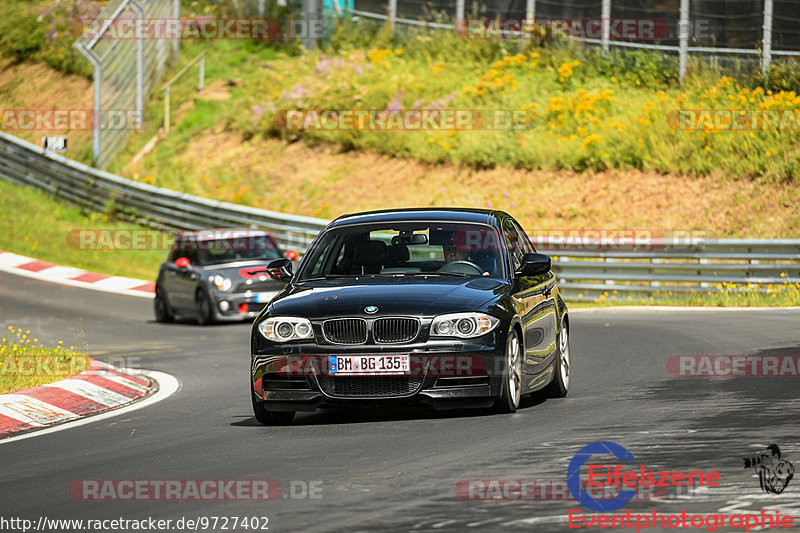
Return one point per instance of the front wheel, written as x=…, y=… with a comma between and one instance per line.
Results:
x=270, y=418
x=202, y=307
x=161, y=306
x=512, y=376
x=562, y=368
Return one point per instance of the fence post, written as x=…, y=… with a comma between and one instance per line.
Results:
x=605, y=20
x=311, y=13
x=139, y=66
x=392, y=12
x=176, y=46
x=166, y=109
x=98, y=94
x=459, y=12
x=683, y=35
x=530, y=16
x=766, y=46
x=202, y=75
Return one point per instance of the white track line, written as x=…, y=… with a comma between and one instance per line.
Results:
x=167, y=386
x=73, y=283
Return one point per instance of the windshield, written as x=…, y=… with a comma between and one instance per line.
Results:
x=230, y=250
x=413, y=248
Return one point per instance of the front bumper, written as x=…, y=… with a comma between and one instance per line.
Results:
x=229, y=306
x=444, y=374
x=440, y=398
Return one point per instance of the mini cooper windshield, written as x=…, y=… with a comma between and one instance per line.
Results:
x=445, y=249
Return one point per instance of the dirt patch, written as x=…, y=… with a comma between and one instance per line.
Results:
x=37, y=86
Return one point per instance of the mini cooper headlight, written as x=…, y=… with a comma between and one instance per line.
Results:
x=286, y=328
x=221, y=282
x=463, y=325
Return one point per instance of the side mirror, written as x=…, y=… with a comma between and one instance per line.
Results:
x=534, y=265
x=182, y=262
x=291, y=254
x=280, y=269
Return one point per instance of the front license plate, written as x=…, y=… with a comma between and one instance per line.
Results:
x=385, y=365
x=263, y=297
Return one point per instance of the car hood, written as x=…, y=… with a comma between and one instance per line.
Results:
x=419, y=296
x=254, y=271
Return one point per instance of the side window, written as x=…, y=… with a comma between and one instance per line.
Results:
x=320, y=263
x=514, y=243
x=191, y=255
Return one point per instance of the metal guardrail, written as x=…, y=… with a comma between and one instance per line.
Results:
x=96, y=190
x=585, y=270
x=678, y=266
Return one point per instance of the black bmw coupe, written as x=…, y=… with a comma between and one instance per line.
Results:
x=447, y=307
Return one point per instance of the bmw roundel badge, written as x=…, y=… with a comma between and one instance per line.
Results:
x=371, y=309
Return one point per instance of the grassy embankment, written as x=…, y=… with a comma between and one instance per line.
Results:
x=24, y=362
x=36, y=225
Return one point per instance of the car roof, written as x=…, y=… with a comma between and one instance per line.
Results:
x=433, y=214
x=213, y=234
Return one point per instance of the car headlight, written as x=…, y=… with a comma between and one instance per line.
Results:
x=221, y=282
x=463, y=325
x=286, y=328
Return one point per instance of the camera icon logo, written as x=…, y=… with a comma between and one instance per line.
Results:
x=774, y=472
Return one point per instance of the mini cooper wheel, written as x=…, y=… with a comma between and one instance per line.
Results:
x=512, y=376
x=202, y=307
x=161, y=306
x=562, y=368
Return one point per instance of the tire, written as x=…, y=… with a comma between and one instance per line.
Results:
x=161, y=307
x=512, y=376
x=269, y=418
x=203, y=307
x=562, y=368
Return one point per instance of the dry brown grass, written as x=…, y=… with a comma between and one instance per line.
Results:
x=30, y=85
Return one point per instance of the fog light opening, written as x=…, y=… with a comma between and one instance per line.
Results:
x=224, y=305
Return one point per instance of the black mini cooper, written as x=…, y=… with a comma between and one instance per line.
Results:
x=447, y=307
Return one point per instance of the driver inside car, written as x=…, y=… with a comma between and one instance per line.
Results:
x=463, y=254
x=453, y=253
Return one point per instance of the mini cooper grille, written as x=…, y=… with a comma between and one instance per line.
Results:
x=395, y=329
x=345, y=330
x=369, y=386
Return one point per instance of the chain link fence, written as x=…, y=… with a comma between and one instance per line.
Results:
x=125, y=70
x=750, y=30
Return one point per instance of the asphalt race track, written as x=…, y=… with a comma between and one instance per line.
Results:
x=397, y=470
